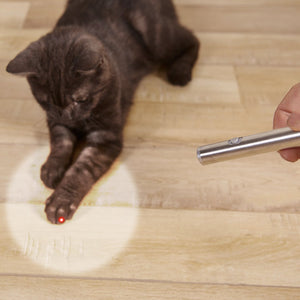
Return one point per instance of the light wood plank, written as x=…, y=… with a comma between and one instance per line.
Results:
x=236, y=2
x=261, y=16
x=265, y=86
x=193, y=246
x=169, y=176
x=165, y=122
x=44, y=14
x=13, y=14
x=13, y=41
x=175, y=179
x=241, y=18
x=59, y=288
x=212, y=2
x=13, y=88
x=249, y=17
x=249, y=49
x=192, y=123
x=202, y=89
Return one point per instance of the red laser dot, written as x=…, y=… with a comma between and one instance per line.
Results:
x=61, y=220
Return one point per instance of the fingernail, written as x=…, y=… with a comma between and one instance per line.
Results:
x=287, y=156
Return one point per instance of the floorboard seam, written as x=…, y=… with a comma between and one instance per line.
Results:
x=133, y=280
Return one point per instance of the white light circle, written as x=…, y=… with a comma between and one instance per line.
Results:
x=94, y=237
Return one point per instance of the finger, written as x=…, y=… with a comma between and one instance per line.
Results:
x=294, y=121
x=289, y=105
x=288, y=114
x=280, y=118
x=291, y=155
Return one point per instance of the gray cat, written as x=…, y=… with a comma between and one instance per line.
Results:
x=84, y=74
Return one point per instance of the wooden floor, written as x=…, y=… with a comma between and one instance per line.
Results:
x=160, y=225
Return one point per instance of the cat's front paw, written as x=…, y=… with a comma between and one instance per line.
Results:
x=179, y=74
x=52, y=173
x=59, y=206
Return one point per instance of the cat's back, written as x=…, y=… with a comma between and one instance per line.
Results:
x=81, y=12
x=121, y=25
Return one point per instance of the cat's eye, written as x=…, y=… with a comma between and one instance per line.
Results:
x=78, y=75
x=79, y=99
x=81, y=74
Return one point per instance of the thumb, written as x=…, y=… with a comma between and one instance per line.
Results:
x=294, y=121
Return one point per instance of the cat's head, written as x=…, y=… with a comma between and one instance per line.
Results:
x=68, y=72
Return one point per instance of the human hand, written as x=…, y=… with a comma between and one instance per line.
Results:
x=288, y=114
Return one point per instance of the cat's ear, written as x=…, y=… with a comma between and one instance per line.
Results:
x=89, y=56
x=26, y=62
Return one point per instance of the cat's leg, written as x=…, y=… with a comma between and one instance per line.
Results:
x=101, y=149
x=62, y=143
x=180, y=67
x=170, y=44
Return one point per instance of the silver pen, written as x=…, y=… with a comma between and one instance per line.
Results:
x=273, y=140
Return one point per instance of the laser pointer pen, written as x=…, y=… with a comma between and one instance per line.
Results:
x=238, y=147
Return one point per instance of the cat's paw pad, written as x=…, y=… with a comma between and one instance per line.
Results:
x=52, y=173
x=179, y=74
x=58, y=208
